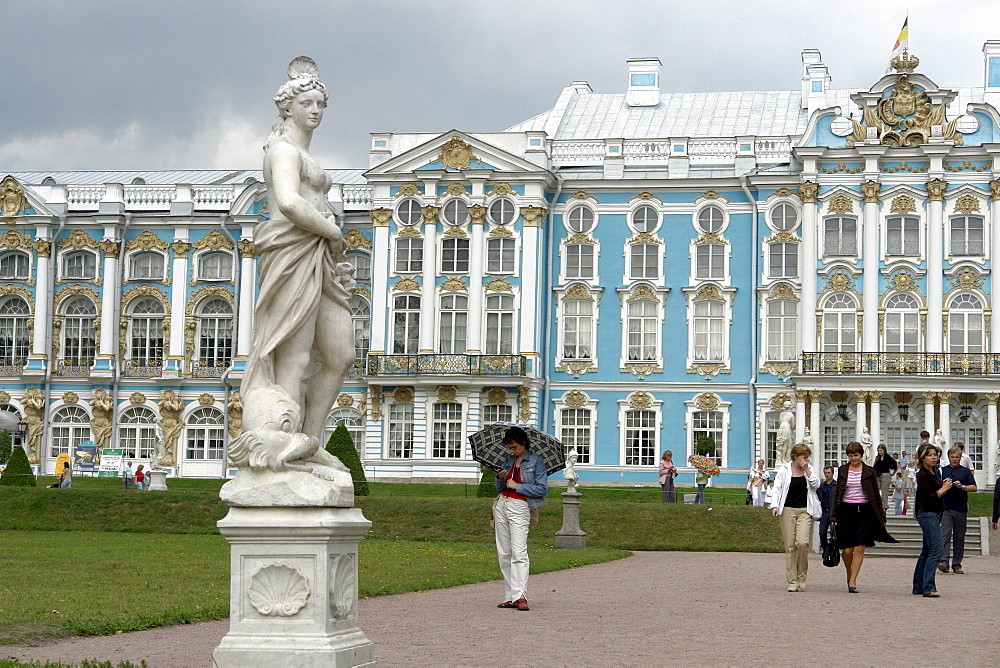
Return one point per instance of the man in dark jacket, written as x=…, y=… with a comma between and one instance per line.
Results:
x=825, y=493
x=956, y=510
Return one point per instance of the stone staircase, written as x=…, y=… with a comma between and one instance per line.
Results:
x=906, y=530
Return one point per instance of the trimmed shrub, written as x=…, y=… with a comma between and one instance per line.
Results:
x=487, y=483
x=706, y=445
x=341, y=445
x=18, y=472
x=5, y=447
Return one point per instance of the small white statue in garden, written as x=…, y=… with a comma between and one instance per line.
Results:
x=570, y=472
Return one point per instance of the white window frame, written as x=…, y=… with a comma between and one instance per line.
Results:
x=218, y=348
x=569, y=217
x=66, y=434
x=456, y=263
x=641, y=205
x=902, y=219
x=450, y=426
x=490, y=329
x=963, y=314
x=203, y=438
x=461, y=207
x=564, y=261
x=827, y=252
x=897, y=321
x=148, y=317
x=657, y=255
x=695, y=296
x=399, y=428
x=782, y=319
x=723, y=249
x=361, y=273
x=13, y=256
x=496, y=250
x=504, y=407
x=651, y=325
x=200, y=258
x=691, y=407
x=412, y=325
x=784, y=273
x=407, y=205
x=564, y=318
x=413, y=245
x=77, y=324
x=590, y=430
x=15, y=317
x=453, y=313
x=137, y=438
x=353, y=420
x=66, y=256
x=710, y=204
x=949, y=232
x=656, y=408
x=500, y=221
x=139, y=255
x=361, y=323
x=780, y=204
x=841, y=313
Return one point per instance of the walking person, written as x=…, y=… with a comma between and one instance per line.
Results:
x=897, y=493
x=928, y=507
x=667, y=474
x=795, y=501
x=140, y=478
x=127, y=475
x=826, y=490
x=757, y=483
x=885, y=466
x=522, y=484
x=701, y=479
x=955, y=510
x=857, y=512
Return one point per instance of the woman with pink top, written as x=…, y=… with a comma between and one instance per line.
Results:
x=857, y=512
x=667, y=474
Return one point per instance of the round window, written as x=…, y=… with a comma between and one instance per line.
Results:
x=784, y=217
x=580, y=219
x=644, y=219
x=502, y=212
x=455, y=212
x=710, y=219
x=408, y=212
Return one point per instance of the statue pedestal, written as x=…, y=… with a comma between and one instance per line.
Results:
x=157, y=480
x=294, y=588
x=571, y=536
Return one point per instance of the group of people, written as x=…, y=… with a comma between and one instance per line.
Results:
x=138, y=479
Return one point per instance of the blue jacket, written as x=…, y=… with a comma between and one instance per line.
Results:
x=534, y=481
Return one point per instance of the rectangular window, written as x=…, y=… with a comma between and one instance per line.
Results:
x=839, y=332
x=79, y=341
x=137, y=442
x=784, y=260
x=782, y=330
x=580, y=261
x=455, y=256
x=497, y=413
x=900, y=437
x=973, y=437
x=902, y=236
x=575, y=433
x=454, y=323
x=204, y=443
x=711, y=262
x=840, y=236
x=406, y=325
x=709, y=331
x=80, y=266
x=771, y=424
x=835, y=440
x=642, y=331
x=216, y=342
x=965, y=332
x=499, y=324
x=644, y=261
x=500, y=256
x=578, y=329
x=400, y=431
x=707, y=423
x=409, y=255
x=902, y=332
x=447, y=429
x=640, y=438
x=967, y=235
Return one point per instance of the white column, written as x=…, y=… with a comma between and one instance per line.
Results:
x=929, y=413
x=43, y=285
x=991, y=437
x=861, y=415
x=994, y=273
x=178, y=300
x=871, y=260
x=935, y=259
x=477, y=263
x=945, y=398
x=807, y=319
x=248, y=293
x=381, y=257
x=428, y=291
x=530, y=266
x=800, y=415
x=112, y=286
x=817, y=458
x=876, y=419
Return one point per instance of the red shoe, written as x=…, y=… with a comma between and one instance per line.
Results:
x=522, y=604
x=507, y=604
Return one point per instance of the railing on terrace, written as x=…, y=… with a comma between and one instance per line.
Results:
x=902, y=364
x=358, y=195
x=84, y=197
x=9, y=367
x=79, y=368
x=445, y=365
x=149, y=197
x=212, y=370
x=653, y=151
x=142, y=368
x=213, y=197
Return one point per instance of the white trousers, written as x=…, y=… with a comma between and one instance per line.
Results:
x=757, y=494
x=511, y=518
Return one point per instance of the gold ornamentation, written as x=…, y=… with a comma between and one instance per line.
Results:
x=501, y=231
x=477, y=214
x=502, y=188
x=407, y=285
x=406, y=190
x=380, y=217
x=992, y=397
x=12, y=199
x=524, y=394
x=575, y=399
x=781, y=370
x=447, y=394
x=840, y=281
x=903, y=280
x=995, y=189
x=235, y=409
x=903, y=204
x=456, y=154
x=875, y=396
x=905, y=117
x=707, y=369
x=43, y=248
x=14, y=239
x=840, y=204
x=70, y=397
x=842, y=168
x=577, y=369
x=246, y=247
x=711, y=194
x=646, y=195
x=782, y=192
x=496, y=396
x=642, y=369
x=206, y=399
x=802, y=396
x=710, y=238
x=101, y=407
x=870, y=190
x=147, y=291
x=78, y=240
x=110, y=248
x=580, y=238
x=430, y=214
x=376, y=402
x=453, y=232
x=967, y=204
x=362, y=291
x=498, y=285
x=784, y=235
x=345, y=400
x=457, y=189
x=708, y=292
x=905, y=167
x=967, y=397
x=409, y=232
x=453, y=284
x=783, y=291
x=180, y=247
x=644, y=238
x=935, y=190
x=967, y=279
x=944, y=396
x=966, y=165
x=4, y=397
x=137, y=398
x=580, y=292
x=78, y=290
x=402, y=395
x=214, y=241
x=146, y=240
x=640, y=400
x=202, y=293
x=642, y=292
x=57, y=323
x=707, y=401
x=777, y=402
x=581, y=194
x=809, y=192
x=534, y=216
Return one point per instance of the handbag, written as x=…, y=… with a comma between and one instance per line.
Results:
x=831, y=555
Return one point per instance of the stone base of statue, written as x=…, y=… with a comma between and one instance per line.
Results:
x=157, y=480
x=294, y=588
x=571, y=536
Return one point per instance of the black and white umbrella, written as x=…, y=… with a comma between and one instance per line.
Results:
x=488, y=447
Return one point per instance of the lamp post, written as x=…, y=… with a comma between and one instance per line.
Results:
x=22, y=429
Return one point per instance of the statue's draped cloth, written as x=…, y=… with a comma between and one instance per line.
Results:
x=295, y=269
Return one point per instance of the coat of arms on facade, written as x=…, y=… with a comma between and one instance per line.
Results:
x=906, y=116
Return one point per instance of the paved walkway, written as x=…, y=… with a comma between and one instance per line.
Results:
x=653, y=608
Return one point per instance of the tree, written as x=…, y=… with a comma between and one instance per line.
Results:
x=487, y=483
x=5, y=448
x=706, y=445
x=18, y=472
x=341, y=446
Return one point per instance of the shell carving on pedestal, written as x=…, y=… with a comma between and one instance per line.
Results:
x=278, y=590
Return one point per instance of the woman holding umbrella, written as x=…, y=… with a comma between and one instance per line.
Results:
x=522, y=484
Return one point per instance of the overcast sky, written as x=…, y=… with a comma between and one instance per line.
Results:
x=177, y=85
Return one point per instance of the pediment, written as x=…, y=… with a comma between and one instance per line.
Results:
x=17, y=199
x=454, y=152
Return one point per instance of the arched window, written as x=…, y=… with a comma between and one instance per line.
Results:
x=70, y=427
x=205, y=434
x=215, y=266
x=146, y=266
x=902, y=324
x=14, y=341
x=965, y=325
x=362, y=265
x=454, y=322
x=499, y=324
x=14, y=266
x=782, y=330
x=79, y=339
x=350, y=418
x=839, y=324
x=406, y=325
x=361, y=318
x=12, y=416
x=146, y=335
x=643, y=329
x=709, y=330
x=80, y=265
x=215, y=342
x=137, y=432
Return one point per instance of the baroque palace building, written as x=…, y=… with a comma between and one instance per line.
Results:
x=628, y=271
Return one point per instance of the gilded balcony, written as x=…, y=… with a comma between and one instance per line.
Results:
x=12, y=367
x=209, y=369
x=151, y=368
x=447, y=365
x=73, y=368
x=902, y=364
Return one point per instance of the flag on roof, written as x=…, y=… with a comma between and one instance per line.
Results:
x=902, y=43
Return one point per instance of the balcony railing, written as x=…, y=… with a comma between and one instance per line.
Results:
x=212, y=370
x=902, y=364
x=11, y=367
x=142, y=368
x=447, y=365
x=79, y=368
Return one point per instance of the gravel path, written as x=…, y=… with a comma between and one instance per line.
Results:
x=628, y=612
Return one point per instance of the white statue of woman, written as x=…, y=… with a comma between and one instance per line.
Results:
x=303, y=340
x=940, y=442
x=786, y=428
x=866, y=443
